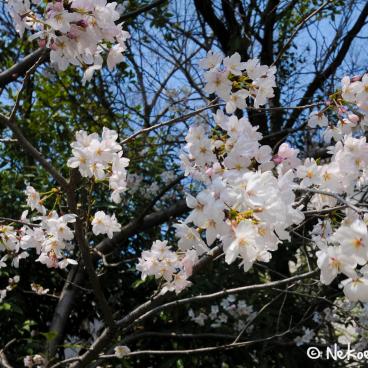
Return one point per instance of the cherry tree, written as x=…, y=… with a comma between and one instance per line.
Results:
x=247, y=195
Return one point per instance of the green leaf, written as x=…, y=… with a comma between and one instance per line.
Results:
x=51, y=335
x=138, y=283
x=28, y=324
x=6, y=307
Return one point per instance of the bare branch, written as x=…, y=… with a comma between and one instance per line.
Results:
x=172, y=121
x=334, y=195
x=141, y=10
x=20, y=69
x=222, y=293
x=85, y=251
x=7, y=219
x=296, y=30
x=33, y=152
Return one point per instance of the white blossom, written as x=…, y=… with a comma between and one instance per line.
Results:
x=105, y=224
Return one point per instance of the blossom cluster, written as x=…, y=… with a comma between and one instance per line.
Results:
x=105, y=224
x=247, y=202
x=352, y=330
x=343, y=245
x=355, y=91
x=77, y=32
x=33, y=361
x=245, y=205
x=234, y=81
x=101, y=158
x=161, y=262
x=48, y=234
x=240, y=313
x=12, y=284
x=351, y=107
x=343, y=250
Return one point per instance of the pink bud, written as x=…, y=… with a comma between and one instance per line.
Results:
x=58, y=6
x=277, y=159
x=356, y=78
x=209, y=171
x=82, y=23
x=353, y=118
x=341, y=110
x=71, y=35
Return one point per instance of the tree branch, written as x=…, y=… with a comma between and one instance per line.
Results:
x=322, y=76
x=20, y=69
x=211, y=105
x=297, y=29
x=33, y=152
x=141, y=10
x=222, y=293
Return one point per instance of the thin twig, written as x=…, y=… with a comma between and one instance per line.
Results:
x=172, y=121
x=7, y=219
x=301, y=24
x=253, y=319
x=198, y=350
x=219, y=294
x=32, y=151
x=334, y=195
x=26, y=78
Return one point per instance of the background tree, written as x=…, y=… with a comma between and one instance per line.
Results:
x=312, y=44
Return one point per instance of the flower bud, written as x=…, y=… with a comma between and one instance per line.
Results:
x=342, y=110
x=354, y=118
x=277, y=159
x=82, y=23
x=209, y=171
x=58, y=6
x=38, y=359
x=356, y=78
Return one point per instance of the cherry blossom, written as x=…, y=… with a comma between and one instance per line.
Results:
x=332, y=261
x=77, y=32
x=356, y=289
x=47, y=235
x=161, y=262
x=121, y=351
x=34, y=200
x=101, y=157
x=105, y=224
x=235, y=81
x=317, y=118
